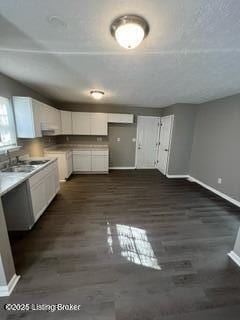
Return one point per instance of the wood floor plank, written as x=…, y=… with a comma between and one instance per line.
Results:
x=130, y=245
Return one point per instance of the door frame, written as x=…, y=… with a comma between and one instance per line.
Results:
x=136, y=147
x=170, y=142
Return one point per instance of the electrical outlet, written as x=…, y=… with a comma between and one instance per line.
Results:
x=118, y=139
x=133, y=139
x=219, y=180
x=99, y=139
x=67, y=138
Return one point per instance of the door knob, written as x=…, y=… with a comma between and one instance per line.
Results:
x=165, y=149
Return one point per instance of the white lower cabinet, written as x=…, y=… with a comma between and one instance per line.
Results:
x=38, y=195
x=69, y=161
x=90, y=161
x=44, y=185
x=82, y=161
x=100, y=161
x=65, y=163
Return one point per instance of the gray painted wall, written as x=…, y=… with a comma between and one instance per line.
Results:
x=109, y=108
x=216, y=151
x=122, y=154
x=9, y=88
x=182, y=137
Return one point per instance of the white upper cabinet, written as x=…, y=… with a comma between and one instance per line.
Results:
x=120, y=118
x=50, y=120
x=86, y=123
x=35, y=119
x=99, y=124
x=27, y=115
x=81, y=123
x=66, y=122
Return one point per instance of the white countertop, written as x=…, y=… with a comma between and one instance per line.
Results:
x=10, y=180
x=70, y=147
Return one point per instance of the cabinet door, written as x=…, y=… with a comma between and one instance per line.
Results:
x=27, y=115
x=49, y=187
x=38, y=195
x=99, y=163
x=36, y=107
x=51, y=182
x=81, y=123
x=82, y=161
x=69, y=164
x=120, y=118
x=66, y=122
x=57, y=121
x=56, y=178
x=99, y=124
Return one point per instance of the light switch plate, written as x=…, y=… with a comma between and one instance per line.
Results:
x=118, y=139
x=219, y=180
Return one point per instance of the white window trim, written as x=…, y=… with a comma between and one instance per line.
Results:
x=13, y=146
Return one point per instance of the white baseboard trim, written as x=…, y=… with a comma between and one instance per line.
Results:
x=5, y=291
x=219, y=193
x=234, y=257
x=177, y=176
x=122, y=168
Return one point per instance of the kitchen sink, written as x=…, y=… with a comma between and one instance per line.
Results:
x=37, y=162
x=25, y=166
x=20, y=168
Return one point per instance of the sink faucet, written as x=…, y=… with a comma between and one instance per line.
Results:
x=9, y=158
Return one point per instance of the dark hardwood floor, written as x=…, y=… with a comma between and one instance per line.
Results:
x=131, y=245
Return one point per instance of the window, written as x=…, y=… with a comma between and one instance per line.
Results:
x=7, y=126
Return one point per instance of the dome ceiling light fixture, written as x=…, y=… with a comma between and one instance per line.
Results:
x=97, y=94
x=129, y=30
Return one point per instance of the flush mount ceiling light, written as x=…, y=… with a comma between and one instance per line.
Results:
x=129, y=30
x=97, y=94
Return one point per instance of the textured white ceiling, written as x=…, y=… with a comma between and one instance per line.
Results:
x=191, y=55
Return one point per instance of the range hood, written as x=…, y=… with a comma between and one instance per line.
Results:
x=49, y=129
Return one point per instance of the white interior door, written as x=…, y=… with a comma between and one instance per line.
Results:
x=165, y=143
x=147, y=142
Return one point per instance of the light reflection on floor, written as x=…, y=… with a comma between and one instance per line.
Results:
x=135, y=246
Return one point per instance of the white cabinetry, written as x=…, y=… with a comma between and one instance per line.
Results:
x=66, y=122
x=120, y=118
x=44, y=185
x=82, y=160
x=65, y=162
x=90, y=161
x=100, y=161
x=50, y=120
x=27, y=115
x=34, y=117
x=81, y=123
x=99, y=125
x=69, y=164
x=86, y=123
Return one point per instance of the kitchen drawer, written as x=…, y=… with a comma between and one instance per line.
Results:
x=82, y=152
x=100, y=152
x=37, y=177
